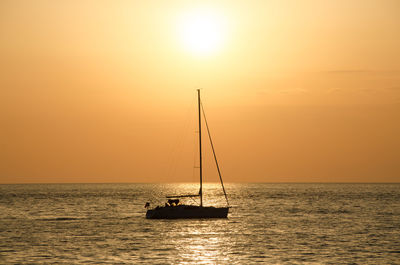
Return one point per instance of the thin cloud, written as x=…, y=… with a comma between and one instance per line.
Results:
x=295, y=90
x=357, y=71
x=347, y=72
x=393, y=88
x=367, y=89
x=334, y=90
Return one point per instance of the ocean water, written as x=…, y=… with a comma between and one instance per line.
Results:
x=268, y=223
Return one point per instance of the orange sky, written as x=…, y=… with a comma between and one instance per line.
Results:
x=104, y=91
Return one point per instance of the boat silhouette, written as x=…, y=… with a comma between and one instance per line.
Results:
x=173, y=209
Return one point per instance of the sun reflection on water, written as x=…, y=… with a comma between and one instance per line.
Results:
x=192, y=241
x=202, y=243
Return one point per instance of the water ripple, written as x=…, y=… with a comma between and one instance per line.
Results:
x=270, y=223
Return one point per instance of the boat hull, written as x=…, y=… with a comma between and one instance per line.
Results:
x=187, y=212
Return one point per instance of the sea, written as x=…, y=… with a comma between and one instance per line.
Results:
x=267, y=224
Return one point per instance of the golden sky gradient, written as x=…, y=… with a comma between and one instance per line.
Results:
x=101, y=91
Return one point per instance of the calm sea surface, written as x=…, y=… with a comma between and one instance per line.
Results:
x=269, y=223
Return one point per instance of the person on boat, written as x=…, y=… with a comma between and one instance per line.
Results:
x=173, y=202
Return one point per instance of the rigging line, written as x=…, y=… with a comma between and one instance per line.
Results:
x=215, y=156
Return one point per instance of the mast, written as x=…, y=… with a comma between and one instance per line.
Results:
x=201, y=162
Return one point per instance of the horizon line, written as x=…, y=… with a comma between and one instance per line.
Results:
x=181, y=182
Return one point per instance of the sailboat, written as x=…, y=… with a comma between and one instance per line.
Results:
x=173, y=209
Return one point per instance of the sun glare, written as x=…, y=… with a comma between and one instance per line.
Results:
x=201, y=31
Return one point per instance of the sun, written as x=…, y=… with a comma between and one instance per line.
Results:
x=201, y=31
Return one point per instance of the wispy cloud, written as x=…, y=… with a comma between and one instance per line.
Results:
x=347, y=72
x=396, y=88
x=280, y=90
x=358, y=71
x=334, y=90
x=367, y=89
x=296, y=90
